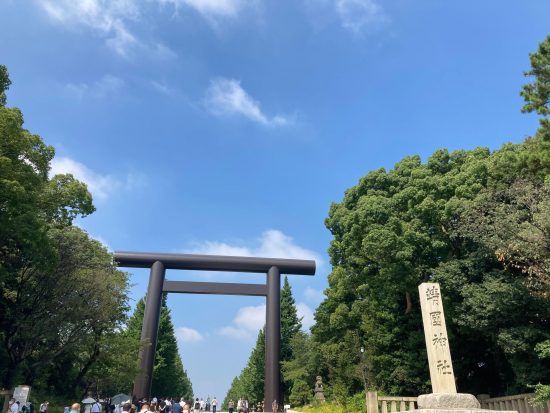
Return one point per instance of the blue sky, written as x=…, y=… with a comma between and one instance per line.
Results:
x=229, y=126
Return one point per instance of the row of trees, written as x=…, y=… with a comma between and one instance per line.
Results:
x=64, y=325
x=475, y=221
x=250, y=382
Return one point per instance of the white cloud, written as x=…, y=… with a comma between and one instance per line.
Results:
x=306, y=314
x=314, y=296
x=272, y=243
x=103, y=241
x=251, y=318
x=107, y=85
x=360, y=15
x=107, y=18
x=162, y=87
x=246, y=324
x=210, y=8
x=226, y=97
x=188, y=335
x=99, y=185
x=233, y=332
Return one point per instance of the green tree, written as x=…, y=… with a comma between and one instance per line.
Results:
x=5, y=83
x=169, y=376
x=64, y=312
x=291, y=324
x=537, y=94
x=399, y=228
x=542, y=391
x=301, y=369
x=33, y=207
x=250, y=382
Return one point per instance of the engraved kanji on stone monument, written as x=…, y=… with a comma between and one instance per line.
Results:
x=437, y=342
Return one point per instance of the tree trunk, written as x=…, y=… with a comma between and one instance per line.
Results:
x=409, y=306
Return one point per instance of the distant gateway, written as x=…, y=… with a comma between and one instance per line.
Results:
x=159, y=263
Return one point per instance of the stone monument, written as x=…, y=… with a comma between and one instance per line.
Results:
x=319, y=394
x=444, y=398
x=21, y=394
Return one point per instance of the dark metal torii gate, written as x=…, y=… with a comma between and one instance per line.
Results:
x=159, y=263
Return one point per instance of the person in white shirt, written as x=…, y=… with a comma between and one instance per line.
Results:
x=44, y=407
x=214, y=404
x=96, y=408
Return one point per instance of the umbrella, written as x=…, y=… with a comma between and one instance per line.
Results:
x=88, y=400
x=120, y=398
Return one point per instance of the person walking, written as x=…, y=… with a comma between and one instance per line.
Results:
x=44, y=407
x=214, y=404
x=197, y=406
x=177, y=408
x=145, y=408
x=75, y=408
x=231, y=406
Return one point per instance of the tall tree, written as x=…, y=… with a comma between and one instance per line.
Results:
x=301, y=369
x=169, y=376
x=291, y=324
x=250, y=383
x=5, y=83
x=537, y=94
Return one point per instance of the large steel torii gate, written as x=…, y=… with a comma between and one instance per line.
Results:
x=159, y=263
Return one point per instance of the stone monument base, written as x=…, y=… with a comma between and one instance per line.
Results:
x=448, y=401
x=461, y=411
x=452, y=403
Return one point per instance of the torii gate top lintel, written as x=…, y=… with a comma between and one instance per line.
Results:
x=214, y=262
x=160, y=262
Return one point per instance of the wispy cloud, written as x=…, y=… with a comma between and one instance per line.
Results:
x=306, y=314
x=107, y=85
x=226, y=97
x=272, y=243
x=209, y=8
x=162, y=87
x=246, y=324
x=188, y=335
x=101, y=186
x=357, y=16
x=233, y=332
x=109, y=19
x=249, y=320
x=360, y=15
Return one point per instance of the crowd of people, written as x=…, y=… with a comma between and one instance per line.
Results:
x=15, y=406
x=168, y=405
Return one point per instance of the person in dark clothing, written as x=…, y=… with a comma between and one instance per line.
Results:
x=177, y=408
